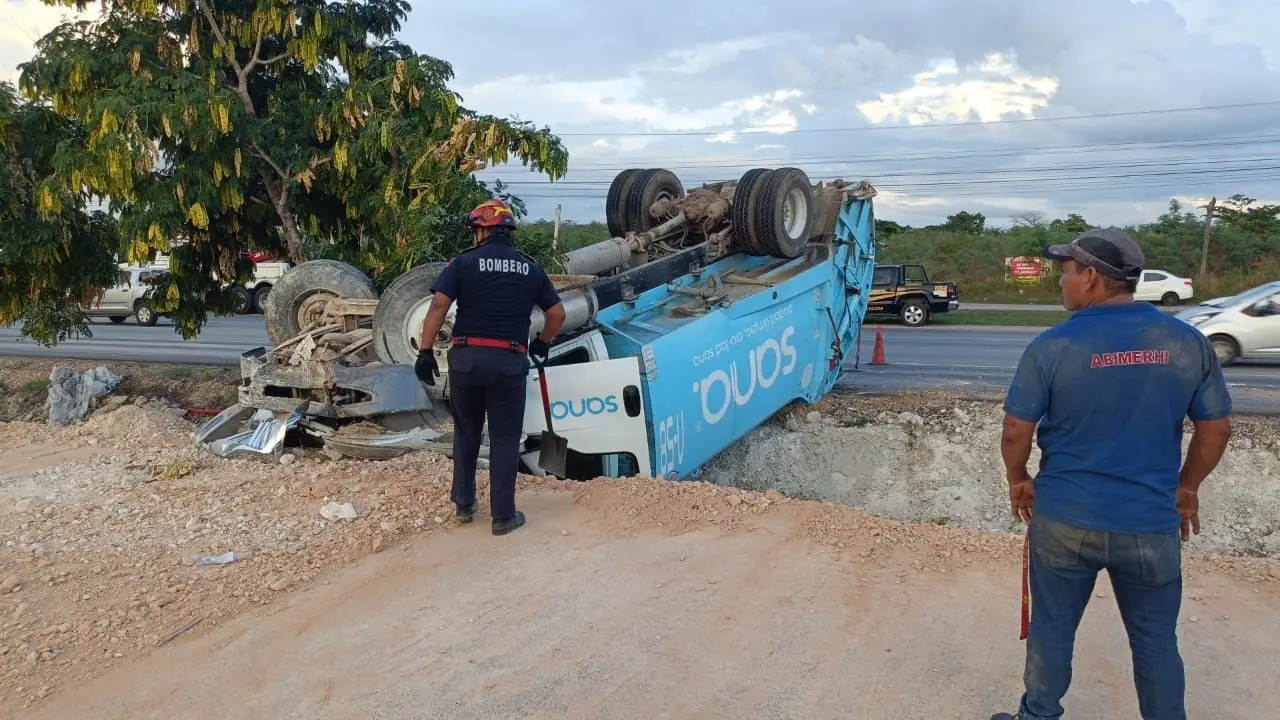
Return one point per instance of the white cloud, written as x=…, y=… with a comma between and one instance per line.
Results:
x=998, y=90
x=758, y=79
x=620, y=100
x=22, y=23
x=711, y=56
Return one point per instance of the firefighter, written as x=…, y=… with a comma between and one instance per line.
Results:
x=496, y=288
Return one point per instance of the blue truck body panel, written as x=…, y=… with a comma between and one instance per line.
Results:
x=780, y=334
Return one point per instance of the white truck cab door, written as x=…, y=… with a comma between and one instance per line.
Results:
x=597, y=406
x=120, y=297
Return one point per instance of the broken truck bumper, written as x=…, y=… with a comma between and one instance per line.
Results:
x=335, y=390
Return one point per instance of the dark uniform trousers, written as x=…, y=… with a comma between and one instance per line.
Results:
x=487, y=381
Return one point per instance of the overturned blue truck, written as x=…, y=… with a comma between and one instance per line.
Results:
x=706, y=313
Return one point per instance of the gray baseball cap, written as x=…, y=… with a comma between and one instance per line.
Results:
x=1106, y=250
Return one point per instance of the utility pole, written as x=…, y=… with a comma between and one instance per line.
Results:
x=1208, y=231
x=555, y=234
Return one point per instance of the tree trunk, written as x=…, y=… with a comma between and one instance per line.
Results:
x=280, y=199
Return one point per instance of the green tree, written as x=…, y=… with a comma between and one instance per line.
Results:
x=1073, y=224
x=886, y=229
x=218, y=126
x=51, y=260
x=965, y=222
x=1259, y=221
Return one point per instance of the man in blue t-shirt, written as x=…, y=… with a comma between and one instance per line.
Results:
x=1106, y=393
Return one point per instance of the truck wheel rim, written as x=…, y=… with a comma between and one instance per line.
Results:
x=914, y=315
x=144, y=314
x=795, y=212
x=311, y=309
x=411, y=329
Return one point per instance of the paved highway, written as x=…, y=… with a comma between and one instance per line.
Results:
x=976, y=360
x=220, y=342
x=1011, y=307
x=981, y=360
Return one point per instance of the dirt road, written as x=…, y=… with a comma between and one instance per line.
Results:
x=644, y=610
x=620, y=599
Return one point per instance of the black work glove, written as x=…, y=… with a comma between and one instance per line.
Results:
x=426, y=368
x=539, y=348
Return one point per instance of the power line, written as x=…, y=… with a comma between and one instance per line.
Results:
x=920, y=156
x=1075, y=183
x=922, y=126
x=884, y=176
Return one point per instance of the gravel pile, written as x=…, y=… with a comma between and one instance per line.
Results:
x=101, y=558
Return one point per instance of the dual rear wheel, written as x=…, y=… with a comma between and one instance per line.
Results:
x=772, y=213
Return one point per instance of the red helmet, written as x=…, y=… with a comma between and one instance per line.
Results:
x=491, y=213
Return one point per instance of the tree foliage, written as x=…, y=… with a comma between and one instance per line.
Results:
x=51, y=260
x=220, y=126
x=1244, y=249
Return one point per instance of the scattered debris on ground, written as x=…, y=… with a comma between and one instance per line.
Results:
x=119, y=535
x=24, y=384
x=71, y=393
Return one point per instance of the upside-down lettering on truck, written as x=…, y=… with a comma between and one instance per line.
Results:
x=687, y=382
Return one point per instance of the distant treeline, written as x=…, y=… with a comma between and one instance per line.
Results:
x=1244, y=248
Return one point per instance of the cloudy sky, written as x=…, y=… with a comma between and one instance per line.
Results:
x=928, y=99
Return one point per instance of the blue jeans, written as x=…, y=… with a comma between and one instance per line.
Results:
x=1146, y=574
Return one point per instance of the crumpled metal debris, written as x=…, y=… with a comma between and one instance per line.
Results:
x=266, y=439
x=70, y=392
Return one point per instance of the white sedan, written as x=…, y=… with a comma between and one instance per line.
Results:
x=1163, y=287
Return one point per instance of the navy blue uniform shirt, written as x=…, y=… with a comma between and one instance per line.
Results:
x=496, y=287
x=1110, y=388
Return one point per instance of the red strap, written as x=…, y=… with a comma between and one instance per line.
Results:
x=1026, y=592
x=472, y=341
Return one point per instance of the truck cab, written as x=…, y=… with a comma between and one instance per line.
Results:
x=905, y=290
x=595, y=401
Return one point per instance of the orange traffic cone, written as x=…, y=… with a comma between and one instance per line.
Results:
x=877, y=357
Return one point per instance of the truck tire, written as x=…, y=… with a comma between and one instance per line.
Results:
x=260, y=298
x=244, y=302
x=144, y=315
x=303, y=292
x=914, y=312
x=399, y=317
x=615, y=205
x=117, y=319
x=649, y=187
x=784, y=213
x=742, y=219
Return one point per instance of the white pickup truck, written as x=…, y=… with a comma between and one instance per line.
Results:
x=129, y=296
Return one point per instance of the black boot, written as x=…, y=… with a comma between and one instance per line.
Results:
x=466, y=513
x=1004, y=716
x=502, y=526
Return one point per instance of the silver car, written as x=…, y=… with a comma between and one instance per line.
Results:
x=1241, y=327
